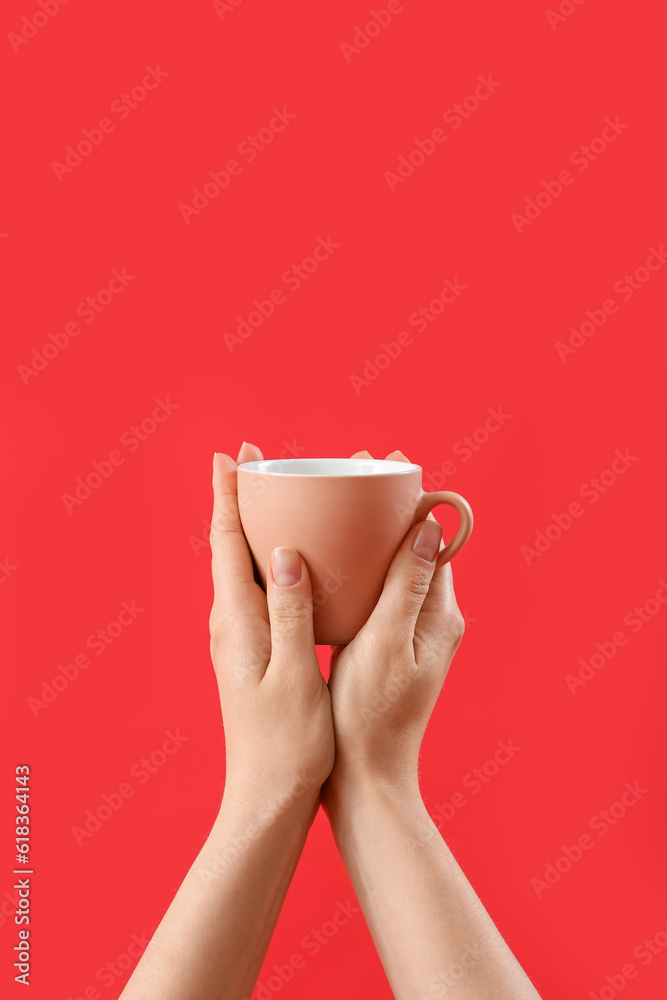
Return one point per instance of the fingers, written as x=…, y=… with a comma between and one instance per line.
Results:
x=231, y=560
x=398, y=456
x=407, y=583
x=440, y=625
x=290, y=602
x=249, y=453
x=240, y=645
x=438, y=620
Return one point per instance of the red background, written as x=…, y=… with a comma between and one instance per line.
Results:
x=289, y=386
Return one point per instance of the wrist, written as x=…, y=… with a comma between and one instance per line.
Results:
x=263, y=834
x=348, y=796
x=248, y=803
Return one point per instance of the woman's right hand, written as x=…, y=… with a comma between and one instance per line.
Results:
x=384, y=684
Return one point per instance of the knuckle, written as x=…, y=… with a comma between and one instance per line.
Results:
x=286, y=613
x=216, y=625
x=238, y=653
x=220, y=622
x=247, y=664
x=223, y=525
x=455, y=624
x=416, y=584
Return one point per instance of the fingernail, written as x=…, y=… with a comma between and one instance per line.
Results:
x=227, y=461
x=427, y=541
x=286, y=567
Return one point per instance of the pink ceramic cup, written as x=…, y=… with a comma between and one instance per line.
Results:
x=347, y=517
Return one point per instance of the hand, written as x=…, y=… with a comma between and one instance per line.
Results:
x=275, y=703
x=384, y=684
x=276, y=710
x=420, y=909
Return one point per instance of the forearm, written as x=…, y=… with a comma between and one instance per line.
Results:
x=212, y=941
x=430, y=929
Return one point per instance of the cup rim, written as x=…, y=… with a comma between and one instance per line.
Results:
x=381, y=467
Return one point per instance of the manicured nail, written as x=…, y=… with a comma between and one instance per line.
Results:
x=227, y=461
x=427, y=542
x=285, y=566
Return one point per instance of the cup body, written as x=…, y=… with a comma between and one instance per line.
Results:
x=347, y=518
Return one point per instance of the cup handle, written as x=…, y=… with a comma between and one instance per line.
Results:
x=430, y=500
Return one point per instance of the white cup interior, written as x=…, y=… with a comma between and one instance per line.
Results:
x=329, y=467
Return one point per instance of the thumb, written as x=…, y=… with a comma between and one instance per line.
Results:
x=290, y=603
x=407, y=583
